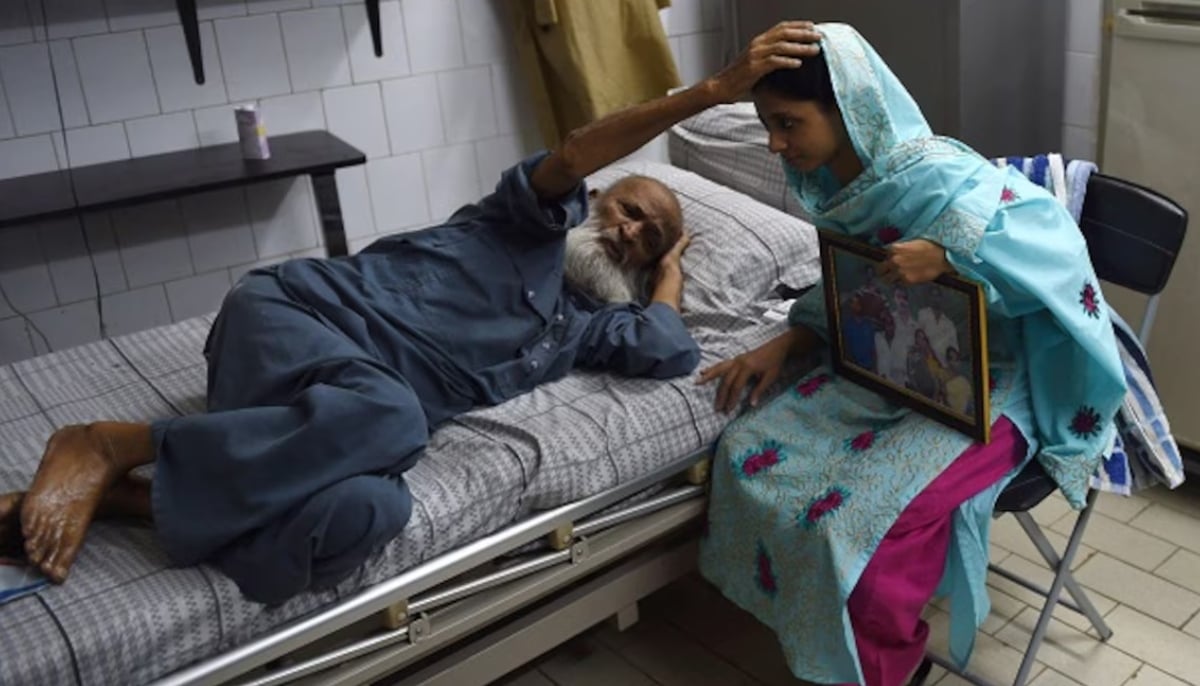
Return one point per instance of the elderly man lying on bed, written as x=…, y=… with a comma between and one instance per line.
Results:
x=327, y=376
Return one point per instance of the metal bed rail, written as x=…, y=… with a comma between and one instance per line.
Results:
x=227, y=666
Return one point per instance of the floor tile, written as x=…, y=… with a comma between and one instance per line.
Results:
x=1051, y=509
x=695, y=607
x=669, y=657
x=1120, y=507
x=1040, y=574
x=1168, y=649
x=524, y=677
x=992, y=659
x=1170, y=524
x=1071, y=651
x=1140, y=590
x=585, y=662
x=1182, y=568
x=1009, y=535
x=1120, y=540
x=1052, y=678
x=1185, y=498
x=1149, y=676
x=1193, y=627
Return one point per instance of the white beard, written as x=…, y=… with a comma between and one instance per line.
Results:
x=590, y=269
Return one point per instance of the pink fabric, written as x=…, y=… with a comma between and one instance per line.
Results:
x=886, y=605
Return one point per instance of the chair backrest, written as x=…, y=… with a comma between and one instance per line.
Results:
x=1133, y=234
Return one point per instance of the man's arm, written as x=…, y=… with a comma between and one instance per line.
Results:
x=614, y=136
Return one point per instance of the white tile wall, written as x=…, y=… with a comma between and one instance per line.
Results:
x=440, y=115
x=163, y=133
x=1081, y=101
x=292, y=113
x=70, y=87
x=96, y=144
x=177, y=90
x=364, y=65
x=414, y=113
x=316, y=48
x=434, y=38
x=21, y=156
x=355, y=114
x=15, y=26
x=468, y=109
x=117, y=80
x=25, y=70
x=252, y=57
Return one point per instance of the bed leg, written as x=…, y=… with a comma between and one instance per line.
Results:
x=697, y=474
x=395, y=615
x=625, y=617
x=560, y=538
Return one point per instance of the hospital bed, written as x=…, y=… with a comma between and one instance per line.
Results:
x=532, y=520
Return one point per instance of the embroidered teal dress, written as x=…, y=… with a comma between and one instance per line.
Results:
x=805, y=487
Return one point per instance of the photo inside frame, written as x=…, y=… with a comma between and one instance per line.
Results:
x=923, y=345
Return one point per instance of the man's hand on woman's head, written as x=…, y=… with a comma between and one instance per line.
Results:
x=913, y=262
x=784, y=45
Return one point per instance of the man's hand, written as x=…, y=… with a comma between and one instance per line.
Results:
x=764, y=363
x=782, y=46
x=668, y=278
x=913, y=262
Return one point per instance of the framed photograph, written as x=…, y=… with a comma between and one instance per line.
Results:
x=924, y=346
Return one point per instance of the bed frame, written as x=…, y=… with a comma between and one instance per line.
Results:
x=473, y=614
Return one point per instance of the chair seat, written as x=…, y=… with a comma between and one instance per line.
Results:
x=1026, y=490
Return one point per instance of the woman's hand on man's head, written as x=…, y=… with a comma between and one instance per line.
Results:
x=784, y=45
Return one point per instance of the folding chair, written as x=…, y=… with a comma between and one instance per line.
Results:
x=1133, y=235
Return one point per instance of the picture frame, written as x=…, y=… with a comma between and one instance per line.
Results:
x=923, y=346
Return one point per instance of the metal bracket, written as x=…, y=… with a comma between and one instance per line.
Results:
x=395, y=615
x=698, y=473
x=580, y=551
x=419, y=629
x=560, y=538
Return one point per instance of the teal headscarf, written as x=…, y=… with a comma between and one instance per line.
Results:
x=998, y=229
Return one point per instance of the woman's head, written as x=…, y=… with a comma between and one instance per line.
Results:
x=800, y=111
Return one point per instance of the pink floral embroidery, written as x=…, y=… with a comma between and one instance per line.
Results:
x=888, y=234
x=807, y=388
x=862, y=442
x=1008, y=195
x=823, y=506
x=1086, y=422
x=757, y=462
x=1089, y=297
x=766, y=575
x=760, y=459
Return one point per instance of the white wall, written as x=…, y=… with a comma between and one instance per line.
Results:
x=438, y=117
x=1081, y=96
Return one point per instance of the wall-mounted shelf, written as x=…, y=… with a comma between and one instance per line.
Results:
x=191, y=33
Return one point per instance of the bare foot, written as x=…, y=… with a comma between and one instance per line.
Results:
x=129, y=497
x=80, y=466
x=10, y=523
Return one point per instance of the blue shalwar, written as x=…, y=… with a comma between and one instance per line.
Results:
x=327, y=376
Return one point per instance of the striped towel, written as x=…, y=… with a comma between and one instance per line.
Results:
x=1144, y=452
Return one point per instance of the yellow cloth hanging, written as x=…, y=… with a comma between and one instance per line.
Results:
x=586, y=58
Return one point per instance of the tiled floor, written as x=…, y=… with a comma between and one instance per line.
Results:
x=1140, y=562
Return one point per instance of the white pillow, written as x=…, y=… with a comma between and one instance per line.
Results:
x=728, y=145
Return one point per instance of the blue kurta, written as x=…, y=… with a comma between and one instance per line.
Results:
x=326, y=377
